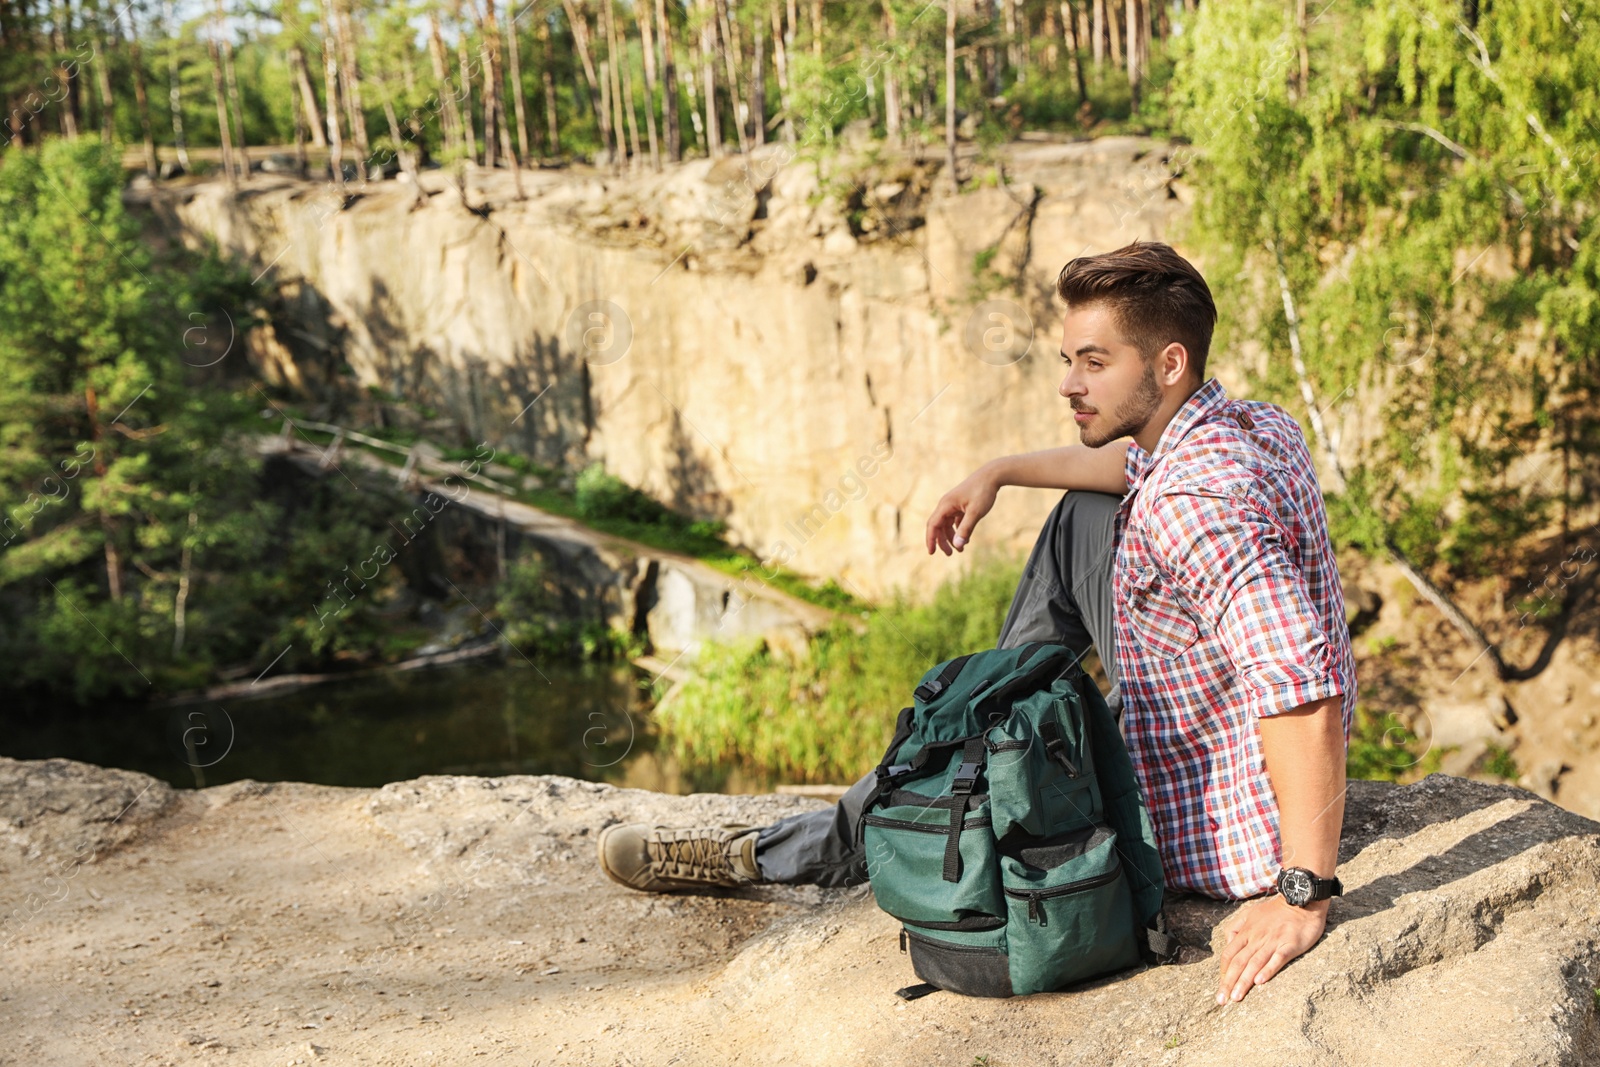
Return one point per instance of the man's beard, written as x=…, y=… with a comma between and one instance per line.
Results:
x=1131, y=415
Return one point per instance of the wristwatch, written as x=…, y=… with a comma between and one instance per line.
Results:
x=1300, y=887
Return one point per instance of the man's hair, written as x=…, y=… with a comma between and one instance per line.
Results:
x=1155, y=297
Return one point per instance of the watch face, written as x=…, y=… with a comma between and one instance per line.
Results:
x=1295, y=885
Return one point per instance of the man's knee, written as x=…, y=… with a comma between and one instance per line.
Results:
x=1087, y=504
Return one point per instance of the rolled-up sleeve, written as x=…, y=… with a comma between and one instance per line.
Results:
x=1233, y=560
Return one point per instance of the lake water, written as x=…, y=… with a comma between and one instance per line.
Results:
x=588, y=721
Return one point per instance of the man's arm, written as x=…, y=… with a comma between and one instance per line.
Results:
x=1069, y=467
x=1304, y=754
x=1231, y=554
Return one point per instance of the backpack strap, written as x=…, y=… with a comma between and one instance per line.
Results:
x=928, y=690
x=973, y=753
x=1156, y=944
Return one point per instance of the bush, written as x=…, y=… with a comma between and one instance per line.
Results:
x=599, y=495
x=828, y=716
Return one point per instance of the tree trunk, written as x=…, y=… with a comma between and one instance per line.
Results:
x=950, y=94
x=630, y=102
x=222, y=111
x=1302, y=38
x=102, y=69
x=108, y=526
x=70, y=103
x=816, y=28
x=1131, y=7
x=597, y=91
x=780, y=58
x=235, y=103
x=1114, y=25
x=141, y=98
x=1051, y=30
x=1013, y=41
x=180, y=602
x=330, y=83
x=892, y=119
x=552, y=128
x=308, y=95
x=729, y=49
x=758, y=85
x=174, y=98
x=708, y=69
x=469, y=132
x=491, y=86
x=669, y=86
x=695, y=121
x=515, y=55
x=449, y=117
x=1084, y=36
x=647, y=50
x=619, y=121
x=1099, y=35
x=350, y=74
x=1074, y=60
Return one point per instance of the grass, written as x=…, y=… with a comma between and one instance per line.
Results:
x=1498, y=762
x=1383, y=748
x=827, y=714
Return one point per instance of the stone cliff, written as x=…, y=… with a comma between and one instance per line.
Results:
x=812, y=359
x=464, y=920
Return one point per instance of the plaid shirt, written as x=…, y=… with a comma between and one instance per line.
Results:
x=1228, y=607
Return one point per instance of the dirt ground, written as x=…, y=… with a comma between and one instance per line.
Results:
x=259, y=924
x=464, y=920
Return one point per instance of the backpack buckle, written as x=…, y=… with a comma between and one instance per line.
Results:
x=928, y=690
x=966, y=778
x=1055, y=747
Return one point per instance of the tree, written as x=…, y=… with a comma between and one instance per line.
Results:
x=1421, y=193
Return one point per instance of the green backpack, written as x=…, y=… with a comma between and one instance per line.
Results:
x=1008, y=834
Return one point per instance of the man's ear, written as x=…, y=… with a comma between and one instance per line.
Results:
x=1174, y=363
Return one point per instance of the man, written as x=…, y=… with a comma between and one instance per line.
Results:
x=1196, y=559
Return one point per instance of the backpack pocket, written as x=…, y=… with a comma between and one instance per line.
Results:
x=909, y=854
x=1041, y=777
x=971, y=964
x=1069, y=908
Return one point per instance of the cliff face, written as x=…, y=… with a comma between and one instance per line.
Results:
x=456, y=920
x=813, y=361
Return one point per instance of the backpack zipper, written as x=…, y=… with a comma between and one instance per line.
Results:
x=1036, y=897
x=950, y=946
x=924, y=827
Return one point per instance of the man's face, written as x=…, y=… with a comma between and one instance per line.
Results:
x=1113, y=390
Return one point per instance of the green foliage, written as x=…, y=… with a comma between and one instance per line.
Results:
x=141, y=546
x=528, y=606
x=1381, y=746
x=824, y=716
x=605, y=496
x=1499, y=763
x=1429, y=195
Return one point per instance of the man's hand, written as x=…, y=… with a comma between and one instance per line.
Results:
x=1262, y=937
x=958, y=511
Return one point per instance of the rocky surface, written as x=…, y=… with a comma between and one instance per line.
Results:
x=463, y=920
x=812, y=353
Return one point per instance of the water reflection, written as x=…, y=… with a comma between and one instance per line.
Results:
x=588, y=721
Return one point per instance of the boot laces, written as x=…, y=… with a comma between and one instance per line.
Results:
x=696, y=855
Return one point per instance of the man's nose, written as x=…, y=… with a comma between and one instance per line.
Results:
x=1071, y=386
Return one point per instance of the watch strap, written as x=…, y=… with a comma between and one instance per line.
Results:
x=1324, y=888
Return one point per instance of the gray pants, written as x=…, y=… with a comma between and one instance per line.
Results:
x=1064, y=597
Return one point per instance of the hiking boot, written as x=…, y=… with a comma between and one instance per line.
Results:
x=660, y=859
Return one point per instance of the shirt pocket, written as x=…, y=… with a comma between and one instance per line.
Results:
x=1160, y=622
